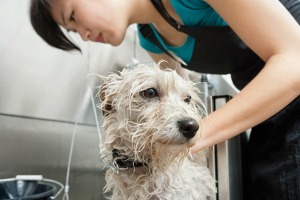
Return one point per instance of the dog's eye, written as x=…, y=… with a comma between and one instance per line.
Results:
x=188, y=99
x=149, y=93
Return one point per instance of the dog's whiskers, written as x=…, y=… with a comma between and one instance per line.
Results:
x=190, y=154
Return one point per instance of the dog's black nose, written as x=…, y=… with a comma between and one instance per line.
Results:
x=188, y=127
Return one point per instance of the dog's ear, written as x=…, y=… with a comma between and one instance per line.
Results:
x=106, y=101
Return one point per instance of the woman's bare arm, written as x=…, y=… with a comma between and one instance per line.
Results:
x=269, y=30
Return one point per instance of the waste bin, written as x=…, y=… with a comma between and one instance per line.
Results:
x=18, y=189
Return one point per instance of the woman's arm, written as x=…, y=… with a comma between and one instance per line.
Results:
x=169, y=63
x=270, y=31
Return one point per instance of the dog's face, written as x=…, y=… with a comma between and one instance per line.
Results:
x=149, y=113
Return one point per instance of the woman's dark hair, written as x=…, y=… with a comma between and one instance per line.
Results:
x=46, y=27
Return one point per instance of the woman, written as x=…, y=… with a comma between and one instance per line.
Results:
x=260, y=50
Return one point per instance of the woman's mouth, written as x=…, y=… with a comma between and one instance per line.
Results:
x=99, y=38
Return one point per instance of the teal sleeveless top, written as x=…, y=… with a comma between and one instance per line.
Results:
x=193, y=13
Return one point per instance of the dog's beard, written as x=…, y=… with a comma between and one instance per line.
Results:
x=164, y=155
x=153, y=154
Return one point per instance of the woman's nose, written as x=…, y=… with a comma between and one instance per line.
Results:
x=85, y=34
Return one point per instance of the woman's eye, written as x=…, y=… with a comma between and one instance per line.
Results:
x=72, y=17
x=149, y=93
x=187, y=99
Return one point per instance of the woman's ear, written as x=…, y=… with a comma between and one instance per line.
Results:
x=106, y=100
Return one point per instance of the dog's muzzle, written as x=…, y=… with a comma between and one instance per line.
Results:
x=188, y=127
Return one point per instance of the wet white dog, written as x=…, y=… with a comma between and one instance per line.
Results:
x=151, y=119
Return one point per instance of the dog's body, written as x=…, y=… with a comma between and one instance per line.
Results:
x=151, y=118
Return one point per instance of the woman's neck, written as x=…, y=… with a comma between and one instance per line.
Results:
x=143, y=12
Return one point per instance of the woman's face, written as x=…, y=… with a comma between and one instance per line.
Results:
x=95, y=20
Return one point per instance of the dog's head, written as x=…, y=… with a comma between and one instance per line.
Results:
x=149, y=114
